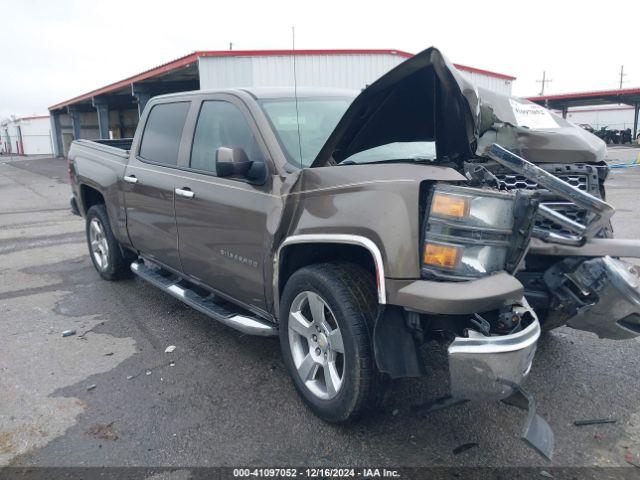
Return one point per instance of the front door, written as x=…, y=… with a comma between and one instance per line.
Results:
x=150, y=181
x=222, y=221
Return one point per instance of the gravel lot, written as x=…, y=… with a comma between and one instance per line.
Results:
x=227, y=400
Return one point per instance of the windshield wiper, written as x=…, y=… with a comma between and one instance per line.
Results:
x=391, y=160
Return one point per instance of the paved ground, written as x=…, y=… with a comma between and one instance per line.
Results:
x=228, y=400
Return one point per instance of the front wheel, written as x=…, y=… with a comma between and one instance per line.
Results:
x=108, y=258
x=326, y=319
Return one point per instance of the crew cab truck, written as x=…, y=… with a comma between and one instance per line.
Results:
x=357, y=227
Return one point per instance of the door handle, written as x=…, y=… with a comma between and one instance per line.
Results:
x=130, y=179
x=184, y=192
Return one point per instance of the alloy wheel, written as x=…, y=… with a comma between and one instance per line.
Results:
x=98, y=244
x=316, y=345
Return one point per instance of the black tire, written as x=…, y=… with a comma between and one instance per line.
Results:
x=349, y=292
x=118, y=260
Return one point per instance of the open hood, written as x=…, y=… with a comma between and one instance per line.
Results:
x=421, y=99
x=425, y=98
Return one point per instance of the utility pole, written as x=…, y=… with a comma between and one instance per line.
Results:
x=230, y=45
x=622, y=75
x=544, y=81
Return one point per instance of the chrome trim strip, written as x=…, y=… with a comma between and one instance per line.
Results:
x=562, y=220
x=176, y=291
x=332, y=238
x=497, y=344
x=600, y=208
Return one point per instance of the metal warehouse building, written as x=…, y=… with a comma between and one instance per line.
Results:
x=113, y=111
x=26, y=136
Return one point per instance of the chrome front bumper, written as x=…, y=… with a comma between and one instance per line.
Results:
x=492, y=368
x=611, y=304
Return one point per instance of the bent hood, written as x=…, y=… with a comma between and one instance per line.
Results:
x=425, y=98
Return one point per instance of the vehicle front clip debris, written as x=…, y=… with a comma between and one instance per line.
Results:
x=536, y=433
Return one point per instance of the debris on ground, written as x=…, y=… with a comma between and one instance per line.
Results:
x=129, y=377
x=103, y=431
x=464, y=447
x=631, y=461
x=68, y=333
x=108, y=354
x=170, y=349
x=148, y=372
x=435, y=405
x=91, y=387
x=544, y=473
x=395, y=412
x=598, y=436
x=594, y=421
x=172, y=364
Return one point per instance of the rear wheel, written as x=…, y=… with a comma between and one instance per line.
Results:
x=107, y=256
x=326, y=318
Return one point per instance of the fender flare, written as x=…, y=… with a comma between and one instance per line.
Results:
x=332, y=238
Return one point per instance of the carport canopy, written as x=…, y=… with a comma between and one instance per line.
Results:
x=564, y=101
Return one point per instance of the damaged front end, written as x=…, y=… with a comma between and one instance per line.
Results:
x=598, y=294
x=524, y=245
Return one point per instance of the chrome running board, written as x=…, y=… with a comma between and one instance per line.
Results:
x=179, y=288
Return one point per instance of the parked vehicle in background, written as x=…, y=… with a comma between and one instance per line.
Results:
x=587, y=127
x=357, y=227
x=616, y=137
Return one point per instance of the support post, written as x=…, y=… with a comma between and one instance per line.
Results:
x=636, y=110
x=102, y=108
x=142, y=94
x=56, y=132
x=564, y=112
x=75, y=122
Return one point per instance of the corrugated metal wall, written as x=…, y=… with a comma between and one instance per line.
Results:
x=338, y=71
x=34, y=133
x=495, y=84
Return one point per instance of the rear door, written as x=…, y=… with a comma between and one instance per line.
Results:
x=150, y=181
x=222, y=227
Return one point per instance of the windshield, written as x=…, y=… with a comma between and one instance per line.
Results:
x=317, y=116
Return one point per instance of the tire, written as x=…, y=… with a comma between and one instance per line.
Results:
x=107, y=256
x=349, y=305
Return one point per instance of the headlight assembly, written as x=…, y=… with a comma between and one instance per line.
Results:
x=472, y=232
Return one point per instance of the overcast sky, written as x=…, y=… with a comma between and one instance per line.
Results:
x=56, y=49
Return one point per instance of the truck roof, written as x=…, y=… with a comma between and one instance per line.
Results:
x=275, y=92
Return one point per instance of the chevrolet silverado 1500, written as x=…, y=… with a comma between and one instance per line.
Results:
x=357, y=227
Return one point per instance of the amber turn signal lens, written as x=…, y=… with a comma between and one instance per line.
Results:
x=441, y=255
x=447, y=205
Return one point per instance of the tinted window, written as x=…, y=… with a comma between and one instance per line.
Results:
x=221, y=124
x=303, y=131
x=163, y=131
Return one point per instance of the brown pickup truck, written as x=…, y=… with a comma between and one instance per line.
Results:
x=358, y=227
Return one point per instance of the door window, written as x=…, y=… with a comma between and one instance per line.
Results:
x=163, y=132
x=221, y=124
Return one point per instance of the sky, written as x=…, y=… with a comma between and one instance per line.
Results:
x=54, y=50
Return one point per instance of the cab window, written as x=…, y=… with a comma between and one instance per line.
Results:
x=163, y=132
x=221, y=124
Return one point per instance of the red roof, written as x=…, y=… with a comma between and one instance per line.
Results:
x=591, y=94
x=187, y=60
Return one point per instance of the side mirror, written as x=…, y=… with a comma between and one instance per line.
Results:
x=231, y=161
x=234, y=161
